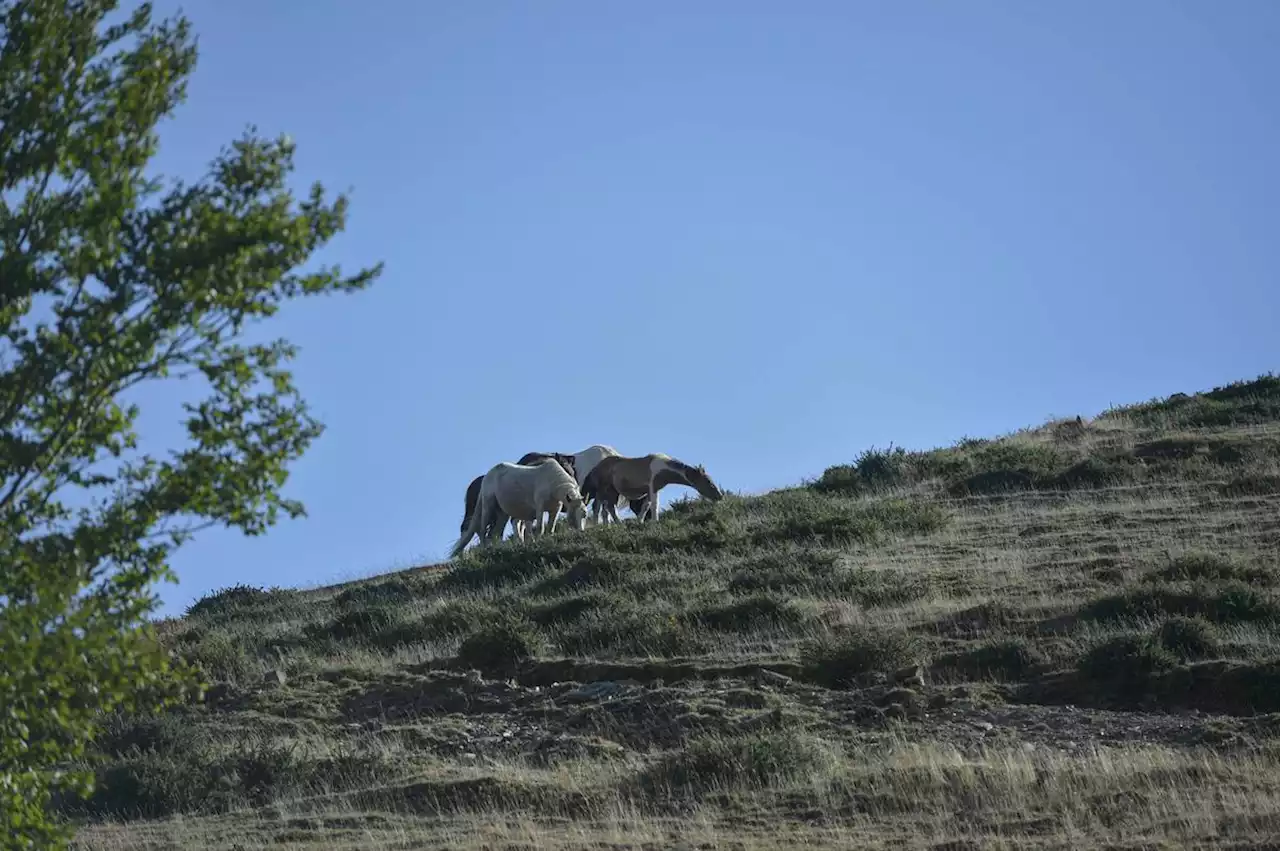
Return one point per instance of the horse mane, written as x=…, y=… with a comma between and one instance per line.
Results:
x=565, y=461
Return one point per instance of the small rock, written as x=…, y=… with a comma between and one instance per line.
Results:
x=912, y=675
x=984, y=726
x=468, y=756
x=772, y=678
x=895, y=710
x=938, y=701
x=592, y=691
x=274, y=678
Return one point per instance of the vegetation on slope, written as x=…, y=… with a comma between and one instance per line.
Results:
x=1031, y=614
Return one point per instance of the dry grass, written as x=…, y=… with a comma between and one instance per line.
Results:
x=745, y=675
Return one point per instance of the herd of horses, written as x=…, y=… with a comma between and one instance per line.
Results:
x=550, y=482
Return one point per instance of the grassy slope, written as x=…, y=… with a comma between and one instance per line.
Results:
x=1064, y=637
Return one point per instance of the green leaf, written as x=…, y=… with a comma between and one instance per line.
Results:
x=110, y=280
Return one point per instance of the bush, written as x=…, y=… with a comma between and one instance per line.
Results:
x=831, y=525
x=882, y=587
x=1238, y=403
x=626, y=631
x=511, y=564
x=906, y=517
x=393, y=592
x=1206, y=567
x=757, y=761
x=239, y=600
x=358, y=625
x=453, y=618
x=843, y=659
x=197, y=779
x=569, y=609
x=1091, y=473
x=1126, y=664
x=759, y=611
x=500, y=647
x=872, y=470
x=793, y=571
x=1010, y=659
x=221, y=656
x=1231, y=602
x=1189, y=638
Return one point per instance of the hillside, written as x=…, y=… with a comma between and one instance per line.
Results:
x=1067, y=637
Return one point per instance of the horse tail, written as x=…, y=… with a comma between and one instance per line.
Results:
x=473, y=496
x=473, y=523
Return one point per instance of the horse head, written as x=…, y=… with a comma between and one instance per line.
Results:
x=576, y=508
x=702, y=483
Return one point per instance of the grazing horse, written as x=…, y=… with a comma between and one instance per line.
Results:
x=522, y=492
x=473, y=489
x=618, y=476
x=586, y=460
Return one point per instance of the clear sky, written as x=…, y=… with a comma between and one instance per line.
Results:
x=760, y=236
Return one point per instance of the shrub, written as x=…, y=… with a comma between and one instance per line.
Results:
x=1189, y=638
x=747, y=613
x=510, y=563
x=568, y=609
x=357, y=625
x=1091, y=473
x=842, y=659
x=221, y=656
x=453, y=618
x=1251, y=484
x=1241, y=402
x=1126, y=664
x=992, y=481
x=1231, y=602
x=873, y=469
x=501, y=646
x=906, y=517
x=830, y=524
x=238, y=600
x=756, y=761
x=1009, y=659
x=390, y=593
x=785, y=571
x=1206, y=567
x=626, y=631
x=881, y=587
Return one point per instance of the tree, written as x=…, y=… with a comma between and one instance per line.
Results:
x=109, y=280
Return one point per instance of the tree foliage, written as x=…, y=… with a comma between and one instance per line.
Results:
x=111, y=279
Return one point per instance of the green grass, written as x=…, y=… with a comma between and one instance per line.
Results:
x=1009, y=629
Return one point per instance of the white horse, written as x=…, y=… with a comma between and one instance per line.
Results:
x=522, y=492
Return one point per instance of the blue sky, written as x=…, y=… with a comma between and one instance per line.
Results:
x=760, y=236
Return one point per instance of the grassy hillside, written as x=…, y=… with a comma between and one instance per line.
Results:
x=1066, y=637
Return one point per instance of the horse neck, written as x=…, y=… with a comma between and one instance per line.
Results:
x=586, y=460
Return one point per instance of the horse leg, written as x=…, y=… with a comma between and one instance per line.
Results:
x=554, y=512
x=612, y=508
x=653, y=503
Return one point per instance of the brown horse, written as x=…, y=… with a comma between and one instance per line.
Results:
x=641, y=478
x=473, y=489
